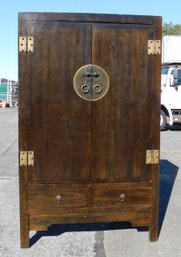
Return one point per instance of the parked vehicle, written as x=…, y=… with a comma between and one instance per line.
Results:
x=170, y=94
x=171, y=49
x=170, y=81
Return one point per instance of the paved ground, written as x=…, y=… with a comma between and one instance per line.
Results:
x=92, y=240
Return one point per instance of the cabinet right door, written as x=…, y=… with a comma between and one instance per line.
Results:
x=120, y=120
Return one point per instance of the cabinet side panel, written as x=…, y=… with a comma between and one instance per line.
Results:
x=154, y=128
x=23, y=174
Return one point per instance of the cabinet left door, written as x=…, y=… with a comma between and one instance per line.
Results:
x=54, y=121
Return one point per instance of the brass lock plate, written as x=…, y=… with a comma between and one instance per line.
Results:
x=91, y=82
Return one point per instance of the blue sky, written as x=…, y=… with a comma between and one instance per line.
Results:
x=170, y=11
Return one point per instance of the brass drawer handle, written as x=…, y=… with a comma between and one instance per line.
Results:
x=97, y=89
x=122, y=197
x=85, y=88
x=59, y=198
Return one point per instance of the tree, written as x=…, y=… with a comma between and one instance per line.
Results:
x=170, y=29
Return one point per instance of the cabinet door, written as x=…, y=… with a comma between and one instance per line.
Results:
x=120, y=120
x=59, y=122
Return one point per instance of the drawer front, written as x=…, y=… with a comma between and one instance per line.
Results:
x=41, y=197
x=110, y=197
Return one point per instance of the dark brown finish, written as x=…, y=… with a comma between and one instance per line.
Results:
x=89, y=156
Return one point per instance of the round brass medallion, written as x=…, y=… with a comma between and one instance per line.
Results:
x=91, y=82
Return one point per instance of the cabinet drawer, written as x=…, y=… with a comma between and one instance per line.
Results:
x=121, y=196
x=42, y=197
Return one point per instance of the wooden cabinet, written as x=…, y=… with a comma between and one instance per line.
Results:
x=88, y=119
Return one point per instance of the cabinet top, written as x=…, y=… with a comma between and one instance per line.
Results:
x=90, y=17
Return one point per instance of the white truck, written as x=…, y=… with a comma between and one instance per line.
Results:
x=170, y=81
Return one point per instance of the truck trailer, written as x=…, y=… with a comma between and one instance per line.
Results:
x=170, y=81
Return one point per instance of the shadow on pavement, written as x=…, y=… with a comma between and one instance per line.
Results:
x=175, y=126
x=56, y=230
x=168, y=173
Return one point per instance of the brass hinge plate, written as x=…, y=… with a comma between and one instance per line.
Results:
x=23, y=158
x=26, y=158
x=26, y=44
x=22, y=44
x=154, y=47
x=30, y=158
x=30, y=44
x=152, y=156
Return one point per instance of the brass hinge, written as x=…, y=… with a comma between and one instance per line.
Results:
x=154, y=47
x=26, y=158
x=26, y=44
x=152, y=156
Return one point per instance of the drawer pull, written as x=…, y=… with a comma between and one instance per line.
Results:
x=85, y=88
x=122, y=197
x=97, y=89
x=59, y=198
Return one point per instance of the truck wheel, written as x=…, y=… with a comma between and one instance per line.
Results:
x=163, y=120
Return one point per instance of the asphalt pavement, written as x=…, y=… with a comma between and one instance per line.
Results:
x=90, y=240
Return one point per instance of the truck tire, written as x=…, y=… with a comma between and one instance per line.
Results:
x=163, y=120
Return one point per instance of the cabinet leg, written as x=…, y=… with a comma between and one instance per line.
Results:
x=154, y=214
x=24, y=232
x=153, y=233
x=153, y=228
